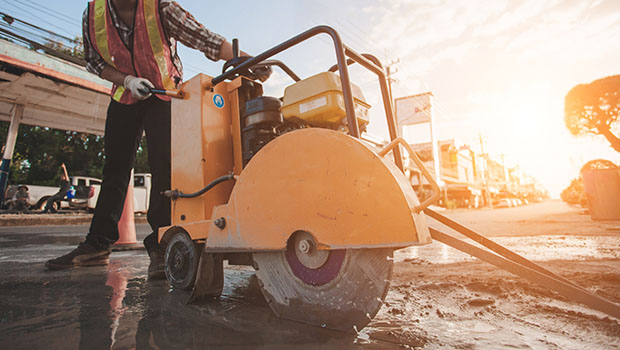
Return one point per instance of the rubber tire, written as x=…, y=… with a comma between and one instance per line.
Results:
x=191, y=255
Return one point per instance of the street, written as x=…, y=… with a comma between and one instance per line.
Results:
x=439, y=298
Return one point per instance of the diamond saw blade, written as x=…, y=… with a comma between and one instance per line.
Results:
x=344, y=293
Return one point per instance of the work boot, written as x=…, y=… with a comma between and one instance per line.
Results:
x=156, y=254
x=84, y=255
x=156, y=267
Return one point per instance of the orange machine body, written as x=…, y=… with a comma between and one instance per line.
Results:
x=202, y=150
x=316, y=180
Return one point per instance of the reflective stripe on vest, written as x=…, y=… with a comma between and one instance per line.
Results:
x=101, y=32
x=151, y=16
x=151, y=57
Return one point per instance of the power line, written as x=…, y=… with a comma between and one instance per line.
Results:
x=357, y=38
x=44, y=48
x=53, y=13
x=24, y=31
x=28, y=12
x=6, y=17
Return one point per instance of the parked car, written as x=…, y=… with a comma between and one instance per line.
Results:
x=503, y=203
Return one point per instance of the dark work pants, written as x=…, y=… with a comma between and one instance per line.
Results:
x=123, y=131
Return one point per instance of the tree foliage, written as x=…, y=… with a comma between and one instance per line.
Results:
x=40, y=151
x=74, y=49
x=594, y=108
x=574, y=194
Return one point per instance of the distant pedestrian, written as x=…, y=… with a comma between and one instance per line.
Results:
x=65, y=185
x=22, y=198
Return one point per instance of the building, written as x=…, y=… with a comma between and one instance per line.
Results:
x=470, y=180
x=460, y=178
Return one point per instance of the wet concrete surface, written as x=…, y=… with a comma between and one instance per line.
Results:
x=116, y=307
x=439, y=299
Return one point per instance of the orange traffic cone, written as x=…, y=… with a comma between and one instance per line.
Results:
x=127, y=225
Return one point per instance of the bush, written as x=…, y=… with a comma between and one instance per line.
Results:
x=574, y=194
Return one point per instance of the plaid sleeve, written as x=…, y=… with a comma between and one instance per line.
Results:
x=182, y=26
x=94, y=63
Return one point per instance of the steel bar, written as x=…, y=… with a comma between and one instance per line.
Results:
x=568, y=290
x=503, y=251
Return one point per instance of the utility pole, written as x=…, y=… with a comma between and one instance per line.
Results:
x=486, y=171
x=505, y=172
x=390, y=70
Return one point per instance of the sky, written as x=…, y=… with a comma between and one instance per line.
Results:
x=497, y=68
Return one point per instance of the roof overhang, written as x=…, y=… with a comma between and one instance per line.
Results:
x=55, y=93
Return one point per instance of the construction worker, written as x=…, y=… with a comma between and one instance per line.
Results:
x=132, y=43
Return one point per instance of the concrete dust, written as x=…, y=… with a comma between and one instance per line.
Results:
x=473, y=305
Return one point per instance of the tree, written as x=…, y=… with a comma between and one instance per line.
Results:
x=575, y=193
x=40, y=151
x=594, y=108
x=75, y=49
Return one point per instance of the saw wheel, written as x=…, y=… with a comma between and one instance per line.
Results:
x=336, y=289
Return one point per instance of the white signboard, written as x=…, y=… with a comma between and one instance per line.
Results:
x=413, y=110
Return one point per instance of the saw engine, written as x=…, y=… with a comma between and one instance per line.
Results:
x=316, y=101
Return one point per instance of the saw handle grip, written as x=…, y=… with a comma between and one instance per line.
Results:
x=171, y=93
x=436, y=190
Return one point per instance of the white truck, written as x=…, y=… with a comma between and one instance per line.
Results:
x=83, y=203
x=141, y=191
x=40, y=194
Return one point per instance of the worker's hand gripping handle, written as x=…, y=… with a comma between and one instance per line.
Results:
x=172, y=93
x=436, y=191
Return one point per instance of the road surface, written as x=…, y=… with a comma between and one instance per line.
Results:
x=439, y=299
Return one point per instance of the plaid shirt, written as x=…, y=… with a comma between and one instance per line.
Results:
x=179, y=25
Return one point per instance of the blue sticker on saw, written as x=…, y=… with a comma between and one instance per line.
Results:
x=218, y=100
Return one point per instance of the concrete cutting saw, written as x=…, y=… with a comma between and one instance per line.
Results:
x=288, y=186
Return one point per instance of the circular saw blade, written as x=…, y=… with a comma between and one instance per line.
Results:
x=351, y=287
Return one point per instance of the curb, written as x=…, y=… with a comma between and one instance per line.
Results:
x=52, y=219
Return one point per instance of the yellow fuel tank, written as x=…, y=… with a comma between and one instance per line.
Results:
x=318, y=101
